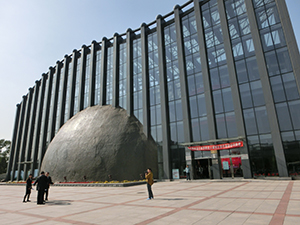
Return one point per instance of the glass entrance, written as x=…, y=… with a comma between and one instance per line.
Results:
x=231, y=163
x=202, y=168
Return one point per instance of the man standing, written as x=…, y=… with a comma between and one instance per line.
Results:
x=28, y=188
x=149, y=180
x=48, y=185
x=42, y=185
x=187, y=171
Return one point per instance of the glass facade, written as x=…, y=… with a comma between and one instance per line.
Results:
x=268, y=113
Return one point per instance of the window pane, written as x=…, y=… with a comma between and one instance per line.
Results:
x=231, y=124
x=290, y=86
x=195, y=129
x=277, y=88
x=283, y=117
x=252, y=68
x=246, y=96
x=201, y=105
x=227, y=98
x=193, y=107
x=284, y=60
x=221, y=127
x=262, y=120
x=241, y=71
x=218, y=101
x=272, y=64
x=250, y=122
x=257, y=93
x=295, y=113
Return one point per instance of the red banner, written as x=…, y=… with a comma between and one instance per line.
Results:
x=237, y=144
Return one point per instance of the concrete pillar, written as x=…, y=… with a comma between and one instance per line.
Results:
x=183, y=75
x=216, y=163
x=84, y=52
x=145, y=80
x=94, y=48
x=54, y=100
x=264, y=77
x=24, y=134
x=45, y=118
x=234, y=89
x=129, y=69
x=29, y=141
x=103, y=71
x=38, y=122
x=73, y=83
x=62, y=100
x=13, y=143
x=18, y=138
x=115, y=84
x=163, y=99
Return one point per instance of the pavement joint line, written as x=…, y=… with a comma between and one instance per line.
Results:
x=187, y=206
x=279, y=215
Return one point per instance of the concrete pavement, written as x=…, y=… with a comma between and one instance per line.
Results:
x=178, y=202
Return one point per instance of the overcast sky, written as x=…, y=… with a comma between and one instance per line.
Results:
x=37, y=33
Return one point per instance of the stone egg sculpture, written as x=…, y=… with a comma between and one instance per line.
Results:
x=100, y=143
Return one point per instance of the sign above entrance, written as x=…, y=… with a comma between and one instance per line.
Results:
x=237, y=144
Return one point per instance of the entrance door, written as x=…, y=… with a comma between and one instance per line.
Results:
x=231, y=163
x=202, y=169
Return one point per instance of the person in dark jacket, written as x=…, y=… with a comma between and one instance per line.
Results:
x=42, y=185
x=28, y=188
x=48, y=185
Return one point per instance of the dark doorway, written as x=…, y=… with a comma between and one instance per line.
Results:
x=202, y=169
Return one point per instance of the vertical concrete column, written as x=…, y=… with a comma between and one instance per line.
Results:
x=54, y=100
x=38, y=122
x=116, y=58
x=13, y=144
x=45, y=118
x=163, y=98
x=18, y=139
x=94, y=48
x=145, y=80
x=234, y=88
x=183, y=79
x=24, y=134
x=84, y=52
x=103, y=74
x=31, y=128
x=216, y=163
x=290, y=38
x=73, y=83
x=129, y=65
x=183, y=83
x=271, y=110
x=62, y=100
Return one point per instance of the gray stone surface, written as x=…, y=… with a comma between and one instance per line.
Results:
x=97, y=142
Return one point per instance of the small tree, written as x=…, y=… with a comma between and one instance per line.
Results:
x=4, y=154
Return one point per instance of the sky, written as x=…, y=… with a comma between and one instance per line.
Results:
x=34, y=34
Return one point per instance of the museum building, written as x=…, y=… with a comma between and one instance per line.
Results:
x=215, y=83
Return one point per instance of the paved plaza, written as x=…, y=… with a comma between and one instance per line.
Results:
x=178, y=202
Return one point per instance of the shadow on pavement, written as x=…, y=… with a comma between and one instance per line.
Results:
x=59, y=202
x=170, y=199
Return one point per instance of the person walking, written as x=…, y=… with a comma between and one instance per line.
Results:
x=48, y=186
x=41, y=182
x=149, y=180
x=187, y=171
x=28, y=188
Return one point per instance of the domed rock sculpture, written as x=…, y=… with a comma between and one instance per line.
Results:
x=98, y=144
